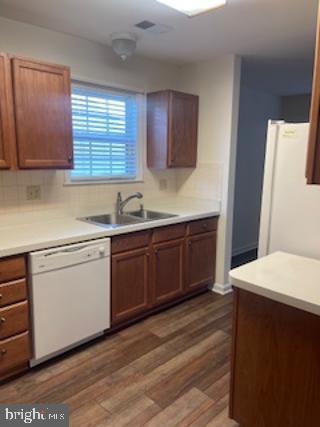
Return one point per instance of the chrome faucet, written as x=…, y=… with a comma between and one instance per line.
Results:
x=122, y=203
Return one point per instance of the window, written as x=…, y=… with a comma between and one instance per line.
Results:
x=105, y=133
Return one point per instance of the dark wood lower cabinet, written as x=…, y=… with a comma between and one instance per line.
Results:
x=275, y=379
x=15, y=353
x=167, y=271
x=170, y=263
x=200, y=260
x=15, y=345
x=130, y=284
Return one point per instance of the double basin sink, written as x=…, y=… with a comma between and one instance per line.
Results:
x=134, y=217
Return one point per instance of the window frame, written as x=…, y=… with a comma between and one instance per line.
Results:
x=141, y=135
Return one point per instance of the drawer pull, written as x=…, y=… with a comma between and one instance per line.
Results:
x=3, y=352
x=1, y=296
x=2, y=320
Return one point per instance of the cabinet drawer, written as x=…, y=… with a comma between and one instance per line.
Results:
x=13, y=292
x=172, y=232
x=14, y=351
x=202, y=226
x=14, y=319
x=127, y=242
x=12, y=268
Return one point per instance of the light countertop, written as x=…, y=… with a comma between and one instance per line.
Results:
x=30, y=236
x=282, y=277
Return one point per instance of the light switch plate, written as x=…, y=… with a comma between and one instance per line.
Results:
x=33, y=192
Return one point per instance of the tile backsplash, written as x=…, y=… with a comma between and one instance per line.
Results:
x=55, y=195
x=203, y=182
x=58, y=199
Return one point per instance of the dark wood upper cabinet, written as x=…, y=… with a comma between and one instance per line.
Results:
x=7, y=133
x=43, y=114
x=168, y=271
x=313, y=159
x=172, y=129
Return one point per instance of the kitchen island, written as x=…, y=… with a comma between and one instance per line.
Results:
x=276, y=342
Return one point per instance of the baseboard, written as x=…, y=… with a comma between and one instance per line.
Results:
x=245, y=249
x=220, y=289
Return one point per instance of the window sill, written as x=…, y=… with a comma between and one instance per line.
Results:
x=68, y=182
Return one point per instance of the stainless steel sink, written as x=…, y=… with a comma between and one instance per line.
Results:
x=117, y=220
x=147, y=215
x=111, y=220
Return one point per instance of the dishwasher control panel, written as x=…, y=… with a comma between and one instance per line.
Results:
x=67, y=256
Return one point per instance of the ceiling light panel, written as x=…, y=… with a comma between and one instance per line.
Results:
x=193, y=7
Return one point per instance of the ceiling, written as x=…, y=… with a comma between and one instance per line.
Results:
x=268, y=28
x=269, y=31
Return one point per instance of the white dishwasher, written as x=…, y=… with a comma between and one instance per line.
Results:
x=70, y=296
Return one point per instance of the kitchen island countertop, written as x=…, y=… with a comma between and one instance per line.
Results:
x=282, y=277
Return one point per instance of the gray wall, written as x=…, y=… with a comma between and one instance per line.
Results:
x=296, y=108
x=256, y=108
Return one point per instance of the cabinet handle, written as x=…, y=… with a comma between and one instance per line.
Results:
x=70, y=159
x=1, y=296
x=3, y=351
x=3, y=320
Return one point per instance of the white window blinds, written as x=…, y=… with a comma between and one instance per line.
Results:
x=105, y=133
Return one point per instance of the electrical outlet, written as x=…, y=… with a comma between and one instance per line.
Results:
x=33, y=192
x=163, y=184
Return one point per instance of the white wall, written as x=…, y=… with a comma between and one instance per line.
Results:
x=256, y=108
x=87, y=59
x=217, y=82
x=91, y=61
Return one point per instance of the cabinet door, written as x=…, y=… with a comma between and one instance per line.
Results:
x=201, y=260
x=183, y=119
x=7, y=135
x=43, y=115
x=168, y=271
x=313, y=159
x=130, y=284
x=157, y=129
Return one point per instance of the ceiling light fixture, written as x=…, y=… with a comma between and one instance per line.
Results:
x=193, y=7
x=123, y=44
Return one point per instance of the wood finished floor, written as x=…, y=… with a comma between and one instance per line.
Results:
x=171, y=369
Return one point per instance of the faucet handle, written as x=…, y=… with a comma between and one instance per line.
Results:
x=119, y=197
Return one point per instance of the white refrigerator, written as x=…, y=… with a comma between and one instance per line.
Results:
x=290, y=213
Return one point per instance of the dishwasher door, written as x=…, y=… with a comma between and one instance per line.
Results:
x=70, y=296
